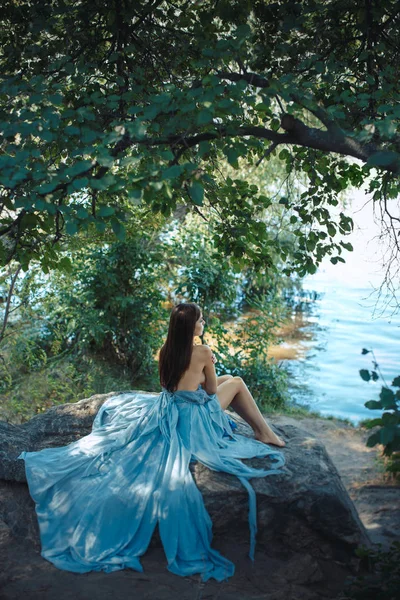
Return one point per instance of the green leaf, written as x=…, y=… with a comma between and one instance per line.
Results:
x=71, y=227
x=56, y=99
x=205, y=116
x=331, y=229
x=103, y=183
x=118, y=229
x=311, y=269
x=204, y=147
x=46, y=188
x=387, y=435
x=347, y=246
x=389, y=418
x=232, y=156
x=196, y=192
x=78, y=184
x=387, y=398
x=72, y=130
x=373, y=439
x=100, y=226
x=275, y=124
x=383, y=159
x=172, y=172
x=135, y=195
x=167, y=155
x=386, y=394
x=82, y=213
x=79, y=167
x=156, y=185
x=65, y=264
x=243, y=31
x=105, y=160
x=364, y=374
x=88, y=135
x=105, y=211
x=396, y=381
x=373, y=404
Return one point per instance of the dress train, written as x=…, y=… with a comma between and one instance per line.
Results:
x=99, y=499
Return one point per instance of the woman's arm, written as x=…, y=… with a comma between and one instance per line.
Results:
x=210, y=384
x=220, y=378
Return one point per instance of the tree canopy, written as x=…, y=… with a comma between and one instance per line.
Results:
x=113, y=104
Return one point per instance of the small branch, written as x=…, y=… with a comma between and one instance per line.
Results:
x=251, y=78
x=194, y=206
x=8, y=303
x=267, y=153
x=319, y=113
x=200, y=213
x=280, y=104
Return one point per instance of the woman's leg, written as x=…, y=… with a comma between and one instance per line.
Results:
x=234, y=392
x=222, y=378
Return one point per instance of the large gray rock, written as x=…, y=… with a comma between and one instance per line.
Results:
x=58, y=426
x=305, y=516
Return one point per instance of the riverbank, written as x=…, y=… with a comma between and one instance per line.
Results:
x=375, y=494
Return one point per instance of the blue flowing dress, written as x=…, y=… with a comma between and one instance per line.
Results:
x=99, y=498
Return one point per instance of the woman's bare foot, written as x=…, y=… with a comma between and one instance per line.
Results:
x=271, y=439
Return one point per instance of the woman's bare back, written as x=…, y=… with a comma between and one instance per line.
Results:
x=194, y=374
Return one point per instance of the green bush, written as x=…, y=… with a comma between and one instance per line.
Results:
x=111, y=306
x=96, y=325
x=252, y=334
x=381, y=580
x=388, y=433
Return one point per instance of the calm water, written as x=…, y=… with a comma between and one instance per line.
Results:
x=343, y=320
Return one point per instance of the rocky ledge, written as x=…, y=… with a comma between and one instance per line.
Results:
x=306, y=519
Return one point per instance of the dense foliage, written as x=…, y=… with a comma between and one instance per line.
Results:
x=110, y=304
x=106, y=105
x=97, y=327
x=155, y=150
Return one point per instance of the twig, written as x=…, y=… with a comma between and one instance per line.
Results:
x=267, y=153
x=9, y=296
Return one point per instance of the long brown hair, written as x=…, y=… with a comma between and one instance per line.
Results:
x=176, y=353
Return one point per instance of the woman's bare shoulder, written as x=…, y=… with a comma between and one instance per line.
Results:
x=202, y=350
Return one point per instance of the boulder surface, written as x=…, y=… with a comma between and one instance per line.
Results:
x=307, y=524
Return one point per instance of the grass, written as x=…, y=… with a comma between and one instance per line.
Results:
x=62, y=382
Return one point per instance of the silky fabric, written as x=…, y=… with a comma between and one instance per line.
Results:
x=99, y=499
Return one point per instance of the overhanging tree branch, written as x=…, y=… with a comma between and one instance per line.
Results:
x=298, y=134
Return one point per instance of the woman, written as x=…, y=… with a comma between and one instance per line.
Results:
x=184, y=366
x=99, y=499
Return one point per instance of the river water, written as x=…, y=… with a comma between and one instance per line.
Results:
x=344, y=319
